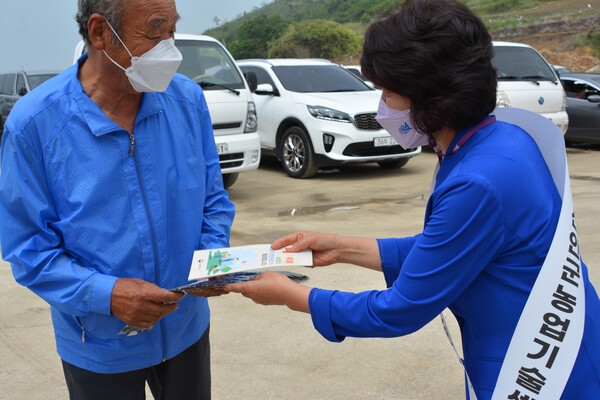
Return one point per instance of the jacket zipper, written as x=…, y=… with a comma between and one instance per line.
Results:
x=82, y=330
x=131, y=143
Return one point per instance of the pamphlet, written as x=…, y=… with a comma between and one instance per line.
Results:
x=225, y=261
x=223, y=280
x=218, y=267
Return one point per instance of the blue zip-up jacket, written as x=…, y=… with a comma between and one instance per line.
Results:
x=488, y=226
x=77, y=212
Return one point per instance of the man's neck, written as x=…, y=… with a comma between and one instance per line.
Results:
x=111, y=91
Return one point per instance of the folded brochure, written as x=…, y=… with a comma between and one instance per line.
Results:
x=217, y=262
x=218, y=267
x=223, y=280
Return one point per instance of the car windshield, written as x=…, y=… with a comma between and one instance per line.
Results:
x=521, y=63
x=37, y=79
x=318, y=79
x=206, y=63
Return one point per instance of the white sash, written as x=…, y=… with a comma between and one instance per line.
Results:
x=547, y=338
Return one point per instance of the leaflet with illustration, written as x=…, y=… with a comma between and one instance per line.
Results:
x=217, y=262
x=218, y=267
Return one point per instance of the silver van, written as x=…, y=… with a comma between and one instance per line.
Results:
x=15, y=85
x=526, y=80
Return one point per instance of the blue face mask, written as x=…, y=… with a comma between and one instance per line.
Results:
x=398, y=124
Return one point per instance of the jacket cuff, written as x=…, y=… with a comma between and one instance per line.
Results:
x=390, y=260
x=320, y=312
x=101, y=292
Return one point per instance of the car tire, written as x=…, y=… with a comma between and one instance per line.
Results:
x=296, y=154
x=393, y=164
x=229, y=179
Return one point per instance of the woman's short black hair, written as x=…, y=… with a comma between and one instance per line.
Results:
x=438, y=54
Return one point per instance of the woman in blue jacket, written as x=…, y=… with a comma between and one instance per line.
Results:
x=489, y=222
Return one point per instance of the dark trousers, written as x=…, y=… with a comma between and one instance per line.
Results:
x=183, y=377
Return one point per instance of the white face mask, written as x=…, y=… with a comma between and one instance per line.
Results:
x=153, y=70
x=398, y=124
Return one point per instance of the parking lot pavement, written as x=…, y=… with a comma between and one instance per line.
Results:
x=271, y=353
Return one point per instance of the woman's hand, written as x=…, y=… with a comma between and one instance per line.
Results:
x=323, y=246
x=273, y=288
x=330, y=249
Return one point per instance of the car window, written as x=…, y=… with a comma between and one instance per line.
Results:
x=578, y=89
x=206, y=61
x=9, y=81
x=36, y=80
x=318, y=78
x=521, y=63
x=21, y=87
x=262, y=76
x=356, y=72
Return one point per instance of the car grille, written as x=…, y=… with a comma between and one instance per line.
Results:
x=231, y=160
x=366, y=149
x=367, y=122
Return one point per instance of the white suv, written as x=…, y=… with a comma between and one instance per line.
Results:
x=314, y=113
x=526, y=80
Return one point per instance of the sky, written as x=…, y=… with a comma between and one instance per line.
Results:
x=42, y=34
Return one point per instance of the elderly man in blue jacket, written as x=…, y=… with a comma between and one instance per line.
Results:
x=110, y=180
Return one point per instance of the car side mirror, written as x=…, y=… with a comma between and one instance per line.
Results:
x=594, y=98
x=266, y=89
x=251, y=79
x=22, y=92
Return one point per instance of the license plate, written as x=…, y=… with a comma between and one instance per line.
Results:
x=222, y=148
x=384, y=141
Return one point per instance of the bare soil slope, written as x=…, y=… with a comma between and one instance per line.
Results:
x=553, y=29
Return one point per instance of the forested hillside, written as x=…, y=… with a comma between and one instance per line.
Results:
x=567, y=32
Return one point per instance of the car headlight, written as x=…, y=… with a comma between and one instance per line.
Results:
x=502, y=99
x=329, y=114
x=251, y=119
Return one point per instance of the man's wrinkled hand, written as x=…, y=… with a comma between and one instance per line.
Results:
x=140, y=303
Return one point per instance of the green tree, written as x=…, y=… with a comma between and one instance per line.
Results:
x=316, y=39
x=254, y=35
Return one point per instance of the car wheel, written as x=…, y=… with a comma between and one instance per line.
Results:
x=229, y=179
x=296, y=154
x=393, y=164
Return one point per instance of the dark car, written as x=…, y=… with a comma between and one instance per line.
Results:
x=583, y=106
x=15, y=85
